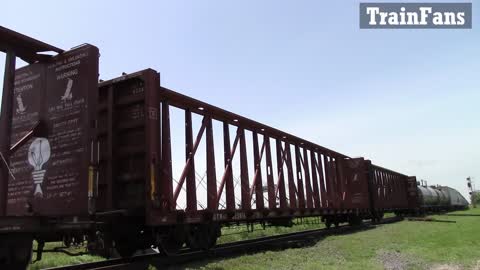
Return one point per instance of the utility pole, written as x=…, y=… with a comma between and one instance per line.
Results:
x=472, y=192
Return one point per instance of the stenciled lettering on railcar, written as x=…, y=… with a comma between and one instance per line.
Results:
x=49, y=169
x=26, y=108
x=66, y=115
x=222, y=216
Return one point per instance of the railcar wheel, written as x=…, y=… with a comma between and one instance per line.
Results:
x=328, y=223
x=355, y=221
x=193, y=237
x=16, y=252
x=101, y=244
x=380, y=217
x=172, y=241
x=125, y=246
x=203, y=236
x=214, y=231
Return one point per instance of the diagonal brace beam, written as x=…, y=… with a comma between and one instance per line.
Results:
x=187, y=167
x=227, y=168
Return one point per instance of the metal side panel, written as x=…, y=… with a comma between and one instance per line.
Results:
x=129, y=137
x=388, y=189
x=356, y=191
x=237, y=169
x=51, y=171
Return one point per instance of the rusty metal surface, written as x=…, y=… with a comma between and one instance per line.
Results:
x=137, y=170
x=388, y=189
x=129, y=138
x=51, y=171
x=356, y=192
x=202, y=108
x=313, y=176
x=412, y=193
x=14, y=45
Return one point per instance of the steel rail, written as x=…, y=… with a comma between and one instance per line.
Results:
x=220, y=251
x=461, y=215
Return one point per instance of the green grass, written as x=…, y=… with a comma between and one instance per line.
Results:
x=59, y=259
x=229, y=234
x=238, y=233
x=402, y=245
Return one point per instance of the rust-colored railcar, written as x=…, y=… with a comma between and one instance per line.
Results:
x=128, y=164
x=280, y=176
x=49, y=172
x=273, y=177
x=128, y=134
x=390, y=191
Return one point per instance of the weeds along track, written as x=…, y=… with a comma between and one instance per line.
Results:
x=296, y=239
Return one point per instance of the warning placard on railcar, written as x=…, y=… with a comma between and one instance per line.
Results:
x=51, y=172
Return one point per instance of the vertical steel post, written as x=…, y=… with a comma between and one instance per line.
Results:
x=6, y=127
x=166, y=185
x=291, y=182
x=308, y=183
x=391, y=194
x=389, y=184
x=191, y=158
x=398, y=191
x=244, y=181
x=401, y=191
x=385, y=185
x=300, y=188
x=316, y=192
x=211, y=170
x=384, y=192
x=328, y=181
x=191, y=183
x=371, y=179
x=375, y=184
x=282, y=194
x=152, y=135
x=382, y=189
x=333, y=178
x=388, y=193
x=272, y=203
x=385, y=189
x=323, y=191
x=110, y=149
x=394, y=192
x=341, y=185
x=258, y=169
x=229, y=187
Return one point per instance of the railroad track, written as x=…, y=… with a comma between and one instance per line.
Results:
x=462, y=215
x=221, y=251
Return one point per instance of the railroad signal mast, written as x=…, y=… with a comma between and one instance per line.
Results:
x=470, y=185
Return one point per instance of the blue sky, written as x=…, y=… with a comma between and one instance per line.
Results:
x=407, y=99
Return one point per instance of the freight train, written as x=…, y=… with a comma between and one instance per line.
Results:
x=127, y=164
x=440, y=198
